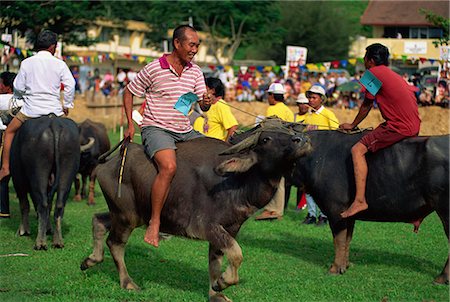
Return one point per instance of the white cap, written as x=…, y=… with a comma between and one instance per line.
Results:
x=302, y=99
x=318, y=90
x=276, y=88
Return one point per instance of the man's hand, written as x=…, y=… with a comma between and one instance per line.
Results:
x=129, y=132
x=346, y=126
x=66, y=111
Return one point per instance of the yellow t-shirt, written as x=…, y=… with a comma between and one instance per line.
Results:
x=282, y=111
x=323, y=118
x=219, y=120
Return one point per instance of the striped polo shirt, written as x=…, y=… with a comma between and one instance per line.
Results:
x=161, y=86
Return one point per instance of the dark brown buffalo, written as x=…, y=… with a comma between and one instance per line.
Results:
x=406, y=182
x=89, y=131
x=210, y=198
x=45, y=155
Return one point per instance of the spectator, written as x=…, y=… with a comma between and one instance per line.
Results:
x=76, y=76
x=6, y=103
x=131, y=74
x=121, y=78
x=106, y=85
x=218, y=121
x=320, y=118
x=275, y=208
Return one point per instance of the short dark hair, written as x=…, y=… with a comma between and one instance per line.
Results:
x=278, y=97
x=378, y=53
x=8, y=78
x=217, y=85
x=178, y=33
x=45, y=39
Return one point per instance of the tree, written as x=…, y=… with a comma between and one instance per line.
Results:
x=69, y=19
x=441, y=22
x=227, y=24
x=326, y=28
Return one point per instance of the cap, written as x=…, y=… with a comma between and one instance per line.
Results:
x=276, y=88
x=318, y=90
x=302, y=99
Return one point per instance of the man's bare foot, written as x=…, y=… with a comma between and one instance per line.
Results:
x=152, y=235
x=356, y=207
x=3, y=173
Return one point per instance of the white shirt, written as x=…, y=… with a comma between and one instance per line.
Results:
x=38, y=83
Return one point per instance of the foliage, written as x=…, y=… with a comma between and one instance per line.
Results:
x=326, y=28
x=226, y=23
x=283, y=261
x=70, y=19
x=441, y=22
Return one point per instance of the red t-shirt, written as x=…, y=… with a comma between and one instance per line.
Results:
x=396, y=101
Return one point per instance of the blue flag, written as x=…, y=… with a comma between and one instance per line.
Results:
x=185, y=101
x=370, y=82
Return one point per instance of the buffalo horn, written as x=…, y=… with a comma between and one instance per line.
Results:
x=88, y=145
x=247, y=143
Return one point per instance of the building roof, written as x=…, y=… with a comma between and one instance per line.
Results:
x=402, y=13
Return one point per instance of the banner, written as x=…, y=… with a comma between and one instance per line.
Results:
x=295, y=57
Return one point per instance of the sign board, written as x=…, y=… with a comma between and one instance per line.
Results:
x=415, y=48
x=444, y=53
x=7, y=38
x=295, y=56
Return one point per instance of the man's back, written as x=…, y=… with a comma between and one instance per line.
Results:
x=39, y=84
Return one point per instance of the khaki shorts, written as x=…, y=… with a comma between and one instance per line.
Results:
x=155, y=139
x=22, y=117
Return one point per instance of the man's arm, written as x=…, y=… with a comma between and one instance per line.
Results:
x=230, y=132
x=128, y=106
x=69, y=89
x=362, y=113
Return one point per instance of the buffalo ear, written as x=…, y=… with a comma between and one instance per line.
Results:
x=236, y=164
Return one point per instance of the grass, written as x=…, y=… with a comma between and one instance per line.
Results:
x=283, y=261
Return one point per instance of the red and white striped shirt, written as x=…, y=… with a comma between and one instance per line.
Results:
x=161, y=86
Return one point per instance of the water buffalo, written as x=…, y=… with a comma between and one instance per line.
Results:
x=210, y=198
x=89, y=158
x=406, y=182
x=45, y=155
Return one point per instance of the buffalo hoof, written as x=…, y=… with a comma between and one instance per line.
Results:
x=58, y=245
x=77, y=198
x=127, y=283
x=40, y=247
x=88, y=263
x=23, y=233
x=219, y=297
x=442, y=279
x=337, y=270
x=220, y=285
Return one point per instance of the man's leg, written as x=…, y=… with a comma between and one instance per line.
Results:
x=275, y=208
x=360, y=167
x=167, y=166
x=9, y=136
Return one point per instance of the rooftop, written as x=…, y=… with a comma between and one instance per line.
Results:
x=402, y=13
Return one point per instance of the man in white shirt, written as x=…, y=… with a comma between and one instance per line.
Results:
x=38, y=83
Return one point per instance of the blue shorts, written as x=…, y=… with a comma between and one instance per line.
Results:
x=156, y=139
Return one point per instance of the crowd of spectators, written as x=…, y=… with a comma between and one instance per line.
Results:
x=247, y=85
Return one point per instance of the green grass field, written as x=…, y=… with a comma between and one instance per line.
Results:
x=283, y=261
